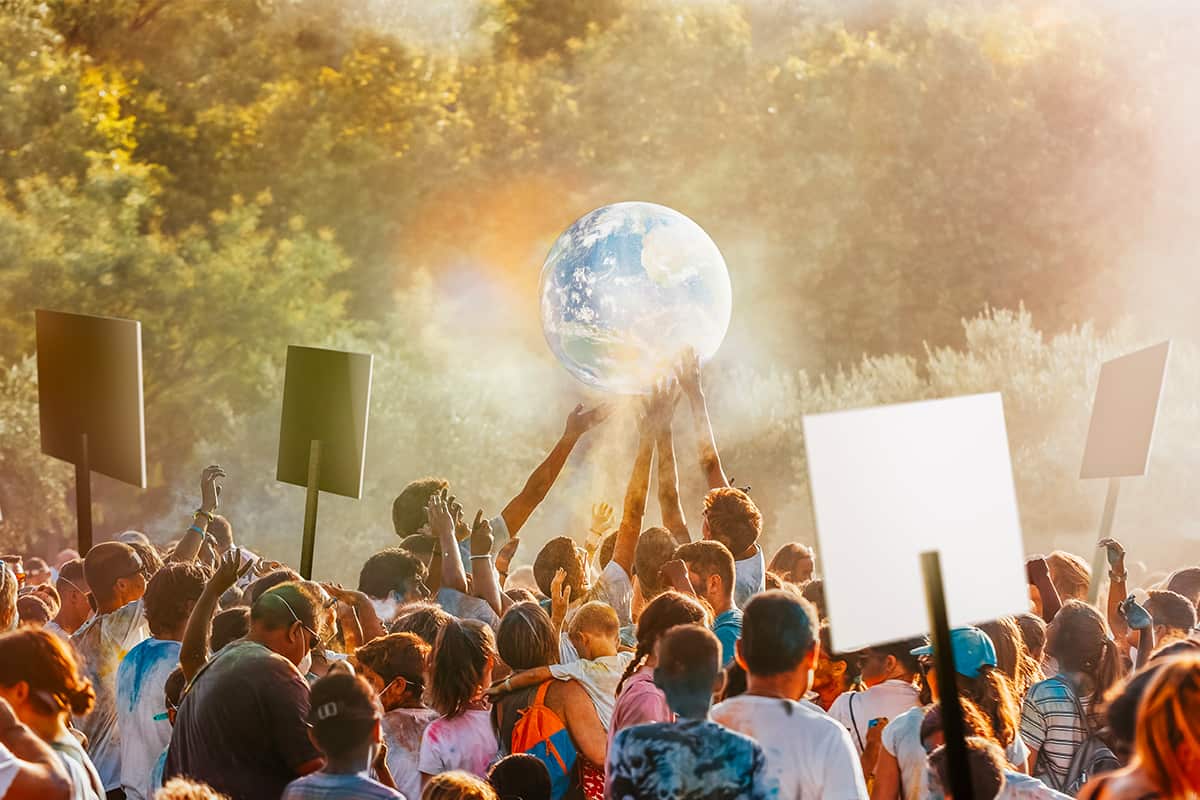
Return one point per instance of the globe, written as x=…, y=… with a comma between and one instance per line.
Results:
x=626, y=289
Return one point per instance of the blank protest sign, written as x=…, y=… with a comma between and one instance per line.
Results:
x=1124, y=413
x=892, y=482
x=90, y=382
x=326, y=395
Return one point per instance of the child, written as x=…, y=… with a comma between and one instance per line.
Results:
x=520, y=776
x=595, y=633
x=344, y=717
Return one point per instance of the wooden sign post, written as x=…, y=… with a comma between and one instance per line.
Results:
x=1121, y=432
x=910, y=500
x=90, y=404
x=323, y=430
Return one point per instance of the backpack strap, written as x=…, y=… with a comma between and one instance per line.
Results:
x=540, y=698
x=854, y=722
x=1083, y=717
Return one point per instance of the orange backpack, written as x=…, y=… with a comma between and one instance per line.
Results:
x=541, y=733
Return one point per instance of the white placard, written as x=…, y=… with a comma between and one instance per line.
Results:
x=892, y=482
x=1124, y=413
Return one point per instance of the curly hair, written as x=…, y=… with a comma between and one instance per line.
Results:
x=733, y=519
x=408, y=509
x=397, y=655
x=393, y=569
x=559, y=553
x=48, y=665
x=660, y=615
x=171, y=593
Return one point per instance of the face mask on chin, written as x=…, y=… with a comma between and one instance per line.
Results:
x=305, y=665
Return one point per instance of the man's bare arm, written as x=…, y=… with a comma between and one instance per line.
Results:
x=668, y=486
x=189, y=545
x=688, y=374
x=519, y=509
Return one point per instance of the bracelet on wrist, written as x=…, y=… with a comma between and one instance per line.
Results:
x=197, y=530
x=1113, y=576
x=200, y=512
x=480, y=557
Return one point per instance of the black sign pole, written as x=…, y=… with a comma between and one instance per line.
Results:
x=1100, y=557
x=943, y=654
x=310, y=509
x=83, y=497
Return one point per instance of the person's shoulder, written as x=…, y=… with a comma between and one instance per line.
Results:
x=840, y=704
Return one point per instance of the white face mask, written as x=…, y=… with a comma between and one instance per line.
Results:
x=305, y=665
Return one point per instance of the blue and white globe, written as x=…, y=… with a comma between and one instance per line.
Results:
x=626, y=289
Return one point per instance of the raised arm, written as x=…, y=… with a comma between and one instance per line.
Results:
x=639, y=486
x=668, y=477
x=210, y=492
x=579, y=422
x=441, y=524
x=485, y=583
x=193, y=651
x=688, y=374
x=1039, y=577
x=1116, y=590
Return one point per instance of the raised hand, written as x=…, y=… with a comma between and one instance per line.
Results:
x=1036, y=570
x=601, y=525
x=210, y=490
x=504, y=557
x=437, y=511
x=675, y=574
x=580, y=421
x=560, y=598
x=481, y=535
x=1116, y=555
x=687, y=372
x=1135, y=614
x=230, y=569
x=461, y=530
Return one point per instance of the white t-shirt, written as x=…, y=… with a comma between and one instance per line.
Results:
x=9, y=767
x=402, y=732
x=465, y=742
x=85, y=783
x=889, y=699
x=102, y=643
x=809, y=756
x=902, y=739
x=142, y=712
x=750, y=577
x=599, y=678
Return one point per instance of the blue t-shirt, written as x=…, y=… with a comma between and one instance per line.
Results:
x=325, y=786
x=691, y=759
x=728, y=628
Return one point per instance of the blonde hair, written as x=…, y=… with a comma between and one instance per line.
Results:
x=595, y=618
x=457, y=786
x=1070, y=575
x=1168, y=717
x=183, y=789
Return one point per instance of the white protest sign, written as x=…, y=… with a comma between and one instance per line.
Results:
x=1124, y=413
x=892, y=482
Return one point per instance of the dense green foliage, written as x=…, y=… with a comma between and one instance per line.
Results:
x=250, y=173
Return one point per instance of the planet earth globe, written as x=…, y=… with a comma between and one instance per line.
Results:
x=629, y=287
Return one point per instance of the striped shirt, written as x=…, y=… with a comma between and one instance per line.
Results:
x=1050, y=723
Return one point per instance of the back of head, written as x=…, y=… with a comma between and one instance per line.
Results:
x=105, y=564
x=596, y=618
x=424, y=619
x=72, y=573
x=814, y=592
x=230, y=625
x=1012, y=656
x=268, y=582
x=420, y=545
x=391, y=570
x=558, y=553
x=1121, y=705
x=689, y=661
x=408, y=509
x=732, y=519
x=986, y=763
x=173, y=688
x=779, y=631
x=975, y=722
x=48, y=665
x=33, y=610
x=520, y=776
x=280, y=607
x=1186, y=582
x=708, y=558
x=343, y=712
x=152, y=561
x=655, y=547
x=185, y=789
x=222, y=531
x=460, y=658
x=525, y=637
x=1078, y=638
x=36, y=570
x=1168, y=726
x=171, y=594
x=1070, y=575
x=660, y=615
x=397, y=655
x=457, y=786
x=1171, y=610
x=132, y=537
x=1033, y=632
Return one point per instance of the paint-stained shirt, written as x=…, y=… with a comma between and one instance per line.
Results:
x=102, y=643
x=464, y=742
x=402, y=732
x=142, y=712
x=687, y=760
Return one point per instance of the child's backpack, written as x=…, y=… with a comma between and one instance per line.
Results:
x=540, y=732
x=1092, y=758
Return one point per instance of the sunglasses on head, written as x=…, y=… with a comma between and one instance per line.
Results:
x=313, y=638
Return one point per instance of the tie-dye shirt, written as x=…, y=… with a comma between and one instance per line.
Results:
x=142, y=712
x=691, y=759
x=102, y=643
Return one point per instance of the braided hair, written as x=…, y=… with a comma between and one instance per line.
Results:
x=660, y=615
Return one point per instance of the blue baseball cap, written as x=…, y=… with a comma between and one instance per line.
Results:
x=973, y=650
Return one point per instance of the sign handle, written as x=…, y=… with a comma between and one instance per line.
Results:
x=1100, y=557
x=83, y=498
x=310, y=509
x=943, y=654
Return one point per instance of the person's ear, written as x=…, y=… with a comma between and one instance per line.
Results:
x=890, y=663
x=19, y=692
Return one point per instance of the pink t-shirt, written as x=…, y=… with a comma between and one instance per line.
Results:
x=640, y=702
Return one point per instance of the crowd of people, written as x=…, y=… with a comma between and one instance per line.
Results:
x=629, y=662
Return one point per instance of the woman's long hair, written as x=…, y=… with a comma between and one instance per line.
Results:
x=1169, y=719
x=42, y=660
x=993, y=693
x=460, y=659
x=1079, y=638
x=1012, y=656
x=660, y=615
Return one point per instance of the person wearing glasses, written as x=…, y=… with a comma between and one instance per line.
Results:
x=75, y=605
x=114, y=573
x=242, y=727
